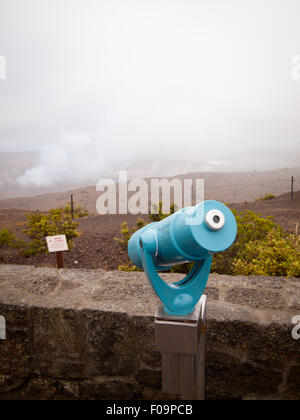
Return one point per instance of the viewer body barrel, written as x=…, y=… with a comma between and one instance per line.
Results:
x=190, y=234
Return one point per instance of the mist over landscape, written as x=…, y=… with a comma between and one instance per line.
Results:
x=183, y=89
x=155, y=88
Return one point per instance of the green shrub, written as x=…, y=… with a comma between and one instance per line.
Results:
x=250, y=227
x=159, y=215
x=55, y=222
x=7, y=238
x=275, y=255
x=261, y=248
x=126, y=234
x=267, y=197
x=128, y=267
x=78, y=211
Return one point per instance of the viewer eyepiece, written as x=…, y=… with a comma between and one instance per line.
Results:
x=215, y=219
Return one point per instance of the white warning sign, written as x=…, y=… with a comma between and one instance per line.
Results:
x=57, y=243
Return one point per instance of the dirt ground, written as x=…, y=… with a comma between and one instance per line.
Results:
x=96, y=248
x=286, y=212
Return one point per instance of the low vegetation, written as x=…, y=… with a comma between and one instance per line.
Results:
x=126, y=234
x=78, y=211
x=39, y=225
x=275, y=255
x=266, y=197
x=261, y=248
x=55, y=222
x=7, y=238
x=158, y=213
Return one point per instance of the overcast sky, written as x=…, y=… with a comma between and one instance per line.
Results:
x=92, y=81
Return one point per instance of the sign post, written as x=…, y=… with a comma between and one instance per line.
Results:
x=58, y=244
x=60, y=259
x=2, y=328
x=72, y=207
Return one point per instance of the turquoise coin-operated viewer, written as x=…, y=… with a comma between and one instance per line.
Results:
x=192, y=234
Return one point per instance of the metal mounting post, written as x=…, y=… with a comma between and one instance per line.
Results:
x=181, y=340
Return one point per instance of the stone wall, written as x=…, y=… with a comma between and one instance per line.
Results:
x=89, y=334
